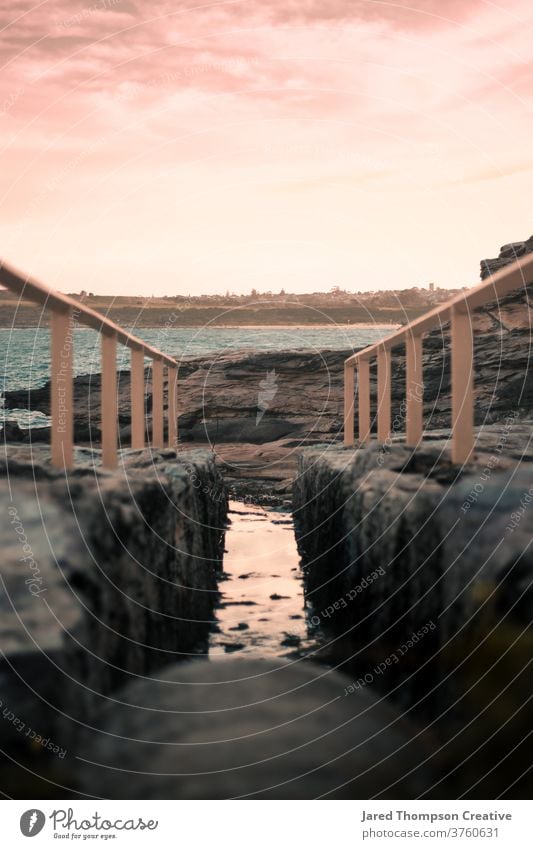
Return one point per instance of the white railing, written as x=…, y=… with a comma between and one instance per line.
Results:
x=458, y=311
x=64, y=312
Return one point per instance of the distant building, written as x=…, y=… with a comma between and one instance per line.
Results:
x=431, y=287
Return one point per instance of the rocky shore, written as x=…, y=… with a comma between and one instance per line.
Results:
x=416, y=574
x=508, y=254
x=287, y=397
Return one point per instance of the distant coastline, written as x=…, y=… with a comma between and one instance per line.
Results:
x=31, y=317
x=247, y=312
x=357, y=325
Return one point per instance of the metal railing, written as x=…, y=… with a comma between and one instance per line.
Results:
x=458, y=312
x=63, y=310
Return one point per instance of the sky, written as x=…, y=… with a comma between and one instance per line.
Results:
x=184, y=148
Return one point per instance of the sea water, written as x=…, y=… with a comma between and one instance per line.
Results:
x=25, y=352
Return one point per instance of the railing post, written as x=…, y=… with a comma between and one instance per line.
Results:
x=349, y=401
x=414, y=390
x=62, y=432
x=363, y=393
x=172, y=377
x=138, y=423
x=384, y=394
x=157, y=404
x=462, y=355
x=108, y=401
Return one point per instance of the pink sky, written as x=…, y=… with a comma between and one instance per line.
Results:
x=174, y=147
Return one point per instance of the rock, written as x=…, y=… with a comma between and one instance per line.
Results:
x=508, y=254
x=12, y=432
x=105, y=576
x=241, y=429
x=291, y=640
x=490, y=547
x=219, y=399
x=237, y=603
x=266, y=730
x=355, y=512
x=38, y=610
x=374, y=530
x=285, y=485
x=231, y=647
x=43, y=434
x=422, y=571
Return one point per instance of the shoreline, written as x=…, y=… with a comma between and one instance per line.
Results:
x=332, y=326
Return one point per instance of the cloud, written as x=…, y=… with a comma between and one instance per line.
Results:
x=213, y=119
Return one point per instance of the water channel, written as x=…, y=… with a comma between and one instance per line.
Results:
x=262, y=607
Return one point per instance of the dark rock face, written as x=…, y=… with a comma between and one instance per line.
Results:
x=106, y=576
x=12, y=432
x=364, y=531
x=508, y=254
x=424, y=570
x=492, y=552
x=358, y=511
x=279, y=731
x=224, y=400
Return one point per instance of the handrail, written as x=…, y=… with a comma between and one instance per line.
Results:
x=457, y=310
x=65, y=311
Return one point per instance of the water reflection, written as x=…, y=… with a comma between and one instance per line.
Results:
x=261, y=608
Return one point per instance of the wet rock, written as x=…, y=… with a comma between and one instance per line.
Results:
x=231, y=647
x=12, y=432
x=237, y=603
x=291, y=639
x=285, y=485
x=43, y=434
x=268, y=730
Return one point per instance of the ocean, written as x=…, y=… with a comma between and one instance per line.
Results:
x=25, y=352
